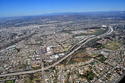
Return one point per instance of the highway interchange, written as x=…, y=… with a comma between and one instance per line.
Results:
x=79, y=45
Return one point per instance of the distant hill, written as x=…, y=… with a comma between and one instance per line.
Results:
x=7, y=22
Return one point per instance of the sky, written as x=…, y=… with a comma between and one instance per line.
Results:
x=38, y=7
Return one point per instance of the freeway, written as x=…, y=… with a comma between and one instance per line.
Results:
x=81, y=43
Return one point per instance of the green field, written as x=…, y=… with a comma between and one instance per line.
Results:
x=112, y=45
x=10, y=81
x=99, y=31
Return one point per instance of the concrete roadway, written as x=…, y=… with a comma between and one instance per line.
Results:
x=63, y=58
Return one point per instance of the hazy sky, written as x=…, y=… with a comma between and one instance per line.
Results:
x=36, y=7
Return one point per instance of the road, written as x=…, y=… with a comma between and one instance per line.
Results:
x=13, y=42
x=83, y=42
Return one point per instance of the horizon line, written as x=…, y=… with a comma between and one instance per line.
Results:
x=59, y=13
